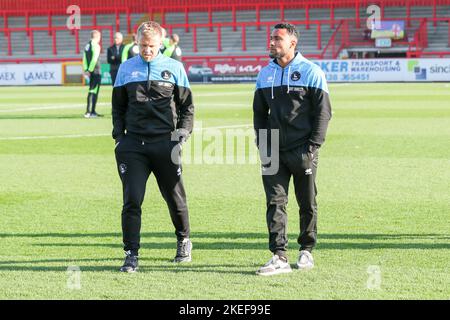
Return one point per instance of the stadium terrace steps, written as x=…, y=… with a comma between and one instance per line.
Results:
x=206, y=39
x=3, y=45
x=232, y=40
x=437, y=37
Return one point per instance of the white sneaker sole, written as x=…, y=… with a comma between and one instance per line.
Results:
x=302, y=267
x=129, y=270
x=182, y=261
x=278, y=271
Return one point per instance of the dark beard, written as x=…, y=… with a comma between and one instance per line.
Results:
x=274, y=55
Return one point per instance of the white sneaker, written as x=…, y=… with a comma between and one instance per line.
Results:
x=305, y=260
x=184, y=249
x=274, y=266
x=87, y=115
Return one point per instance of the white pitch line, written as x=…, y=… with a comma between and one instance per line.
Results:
x=70, y=136
x=224, y=127
x=74, y=106
x=238, y=93
x=51, y=107
x=41, y=108
x=334, y=84
x=212, y=104
x=56, y=137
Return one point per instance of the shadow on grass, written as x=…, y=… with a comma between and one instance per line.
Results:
x=235, y=235
x=247, y=240
x=164, y=265
x=202, y=241
x=262, y=245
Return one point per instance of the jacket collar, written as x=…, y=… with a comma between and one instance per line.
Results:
x=155, y=59
x=297, y=59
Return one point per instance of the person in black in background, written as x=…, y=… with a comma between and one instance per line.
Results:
x=114, y=56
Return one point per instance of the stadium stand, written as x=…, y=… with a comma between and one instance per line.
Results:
x=329, y=29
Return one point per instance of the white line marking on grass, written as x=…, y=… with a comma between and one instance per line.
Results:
x=56, y=137
x=41, y=108
x=334, y=84
x=76, y=106
x=242, y=93
x=69, y=136
x=224, y=127
x=212, y=104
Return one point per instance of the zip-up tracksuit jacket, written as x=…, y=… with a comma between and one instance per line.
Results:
x=295, y=101
x=150, y=101
x=91, y=55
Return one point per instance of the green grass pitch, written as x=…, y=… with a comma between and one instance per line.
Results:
x=384, y=202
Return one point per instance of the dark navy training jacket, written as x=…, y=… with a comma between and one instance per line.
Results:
x=151, y=99
x=294, y=100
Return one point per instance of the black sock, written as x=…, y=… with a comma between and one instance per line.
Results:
x=94, y=102
x=88, y=102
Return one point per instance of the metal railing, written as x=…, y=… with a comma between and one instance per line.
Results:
x=52, y=31
x=338, y=40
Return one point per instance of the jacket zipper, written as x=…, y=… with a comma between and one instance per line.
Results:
x=148, y=76
x=282, y=133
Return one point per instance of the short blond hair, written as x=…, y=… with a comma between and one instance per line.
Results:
x=149, y=29
x=175, y=38
x=95, y=33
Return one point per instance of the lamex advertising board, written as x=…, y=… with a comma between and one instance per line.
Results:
x=30, y=74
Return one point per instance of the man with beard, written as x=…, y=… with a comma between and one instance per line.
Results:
x=291, y=101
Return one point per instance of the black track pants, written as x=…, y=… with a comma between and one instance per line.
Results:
x=94, y=87
x=136, y=160
x=302, y=166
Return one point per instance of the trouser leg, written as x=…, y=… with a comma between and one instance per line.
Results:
x=89, y=102
x=170, y=183
x=276, y=187
x=94, y=88
x=306, y=191
x=113, y=76
x=134, y=170
x=94, y=102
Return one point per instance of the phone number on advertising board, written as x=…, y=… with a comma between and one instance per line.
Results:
x=348, y=77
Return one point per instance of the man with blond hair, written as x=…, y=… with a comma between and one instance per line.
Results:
x=91, y=67
x=152, y=113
